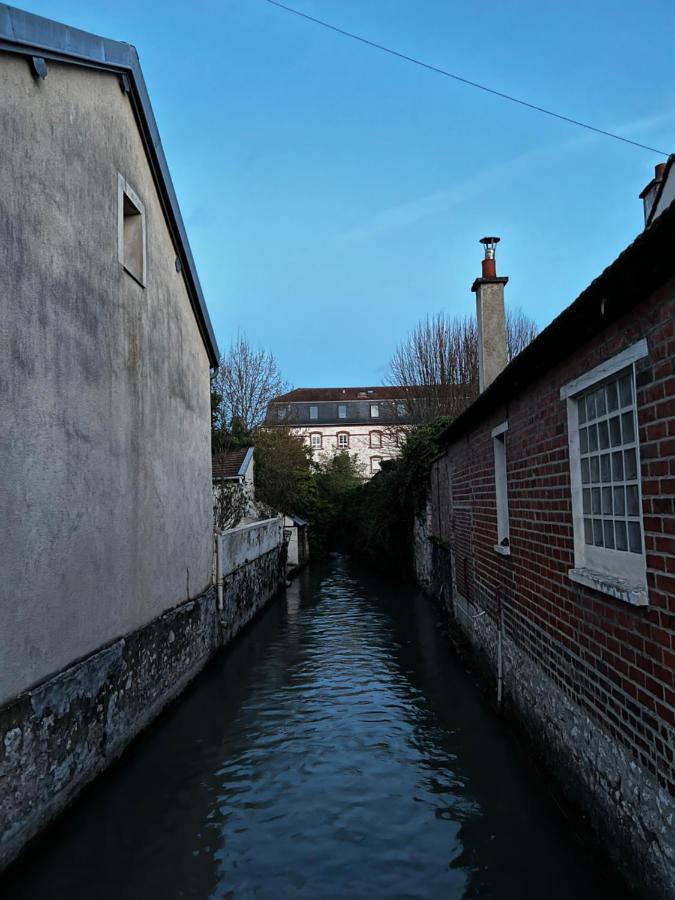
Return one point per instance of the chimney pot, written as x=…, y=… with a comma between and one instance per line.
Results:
x=659, y=171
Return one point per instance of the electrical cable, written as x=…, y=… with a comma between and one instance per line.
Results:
x=474, y=84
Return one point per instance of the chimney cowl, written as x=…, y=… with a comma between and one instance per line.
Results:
x=489, y=263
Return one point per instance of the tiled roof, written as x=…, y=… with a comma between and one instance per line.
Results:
x=228, y=463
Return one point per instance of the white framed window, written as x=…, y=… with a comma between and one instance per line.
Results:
x=314, y=412
x=342, y=411
x=131, y=236
x=375, y=464
x=503, y=544
x=375, y=439
x=374, y=410
x=343, y=440
x=316, y=441
x=609, y=548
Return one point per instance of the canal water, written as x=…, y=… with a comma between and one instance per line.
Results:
x=336, y=750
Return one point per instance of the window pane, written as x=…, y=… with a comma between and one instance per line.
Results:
x=585, y=471
x=621, y=536
x=612, y=399
x=595, y=502
x=600, y=407
x=588, y=532
x=609, y=533
x=314, y=412
x=630, y=465
x=626, y=390
x=634, y=537
x=581, y=409
x=597, y=532
x=603, y=435
x=590, y=407
x=595, y=469
x=617, y=466
x=619, y=502
x=607, y=506
x=605, y=468
x=628, y=426
x=583, y=440
x=587, y=501
x=592, y=437
x=615, y=431
x=632, y=504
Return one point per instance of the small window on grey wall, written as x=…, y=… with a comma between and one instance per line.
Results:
x=131, y=231
x=314, y=412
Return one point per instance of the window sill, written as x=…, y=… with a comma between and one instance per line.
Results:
x=619, y=588
x=504, y=551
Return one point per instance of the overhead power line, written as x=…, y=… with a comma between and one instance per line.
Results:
x=467, y=81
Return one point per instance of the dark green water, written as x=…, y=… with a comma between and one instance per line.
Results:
x=337, y=749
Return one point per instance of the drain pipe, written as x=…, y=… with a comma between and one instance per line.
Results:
x=219, y=570
x=500, y=651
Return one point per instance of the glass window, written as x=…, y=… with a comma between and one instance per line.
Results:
x=343, y=440
x=375, y=464
x=375, y=439
x=374, y=411
x=314, y=412
x=342, y=411
x=316, y=442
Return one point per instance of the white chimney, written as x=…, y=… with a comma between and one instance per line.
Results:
x=491, y=318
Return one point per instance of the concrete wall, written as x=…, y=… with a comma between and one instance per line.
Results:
x=248, y=542
x=105, y=477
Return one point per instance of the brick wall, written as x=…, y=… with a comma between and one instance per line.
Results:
x=613, y=661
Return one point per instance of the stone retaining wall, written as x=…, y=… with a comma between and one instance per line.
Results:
x=57, y=736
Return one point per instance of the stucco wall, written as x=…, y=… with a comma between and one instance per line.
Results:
x=359, y=443
x=247, y=542
x=105, y=475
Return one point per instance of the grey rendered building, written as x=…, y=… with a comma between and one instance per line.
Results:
x=105, y=465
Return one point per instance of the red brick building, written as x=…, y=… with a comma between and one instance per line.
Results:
x=550, y=536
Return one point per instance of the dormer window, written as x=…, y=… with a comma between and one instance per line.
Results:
x=342, y=411
x=314, y=412
x=374, y=410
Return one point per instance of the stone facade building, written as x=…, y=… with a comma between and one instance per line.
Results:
x=366, y=422
x=550, y=537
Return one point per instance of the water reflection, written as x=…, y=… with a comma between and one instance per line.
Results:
x=336, y=750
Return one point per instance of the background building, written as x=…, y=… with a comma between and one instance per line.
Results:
x=367, y=422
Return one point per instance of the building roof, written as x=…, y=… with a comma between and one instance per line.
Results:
x=34, y=36
x=638, y=271
x=231, y=463
x=338, y=394
x=660, y=184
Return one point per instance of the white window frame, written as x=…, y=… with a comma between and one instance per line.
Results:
x=342, y=434
x=374, y=410
x=313, y=412
x=503, y=544
x=378, y=461
x=341, y=407
x=619, y=573
x=125, y=189
x=316, y=434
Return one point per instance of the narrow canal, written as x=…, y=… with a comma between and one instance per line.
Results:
x=336, y=750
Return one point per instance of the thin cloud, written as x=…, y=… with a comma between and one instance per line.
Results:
x=404, y=214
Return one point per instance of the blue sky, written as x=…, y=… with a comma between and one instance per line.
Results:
x=334, y=195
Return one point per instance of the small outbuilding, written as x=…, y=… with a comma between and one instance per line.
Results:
x=296, y=530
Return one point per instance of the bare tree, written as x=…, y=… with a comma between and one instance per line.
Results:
x=436, y=366
x=230, y=505
x=245, y=382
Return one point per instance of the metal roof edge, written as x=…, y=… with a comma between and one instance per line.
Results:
x=615, y=291
x=26, y=33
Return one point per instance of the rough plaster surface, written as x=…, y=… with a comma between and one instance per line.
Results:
x=491, y=323
x=632, y=815
x=105, y=470
x=57, y=736
x=248, y=542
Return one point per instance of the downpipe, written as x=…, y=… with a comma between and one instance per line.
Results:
x=219, y=570
x=500, y=650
